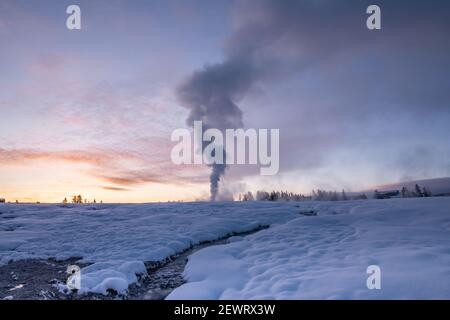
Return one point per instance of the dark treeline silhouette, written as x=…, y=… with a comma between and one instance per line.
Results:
x=275, y=196
x=79, y=199
x=318, y=195
x=324, y=195
x=417, y=193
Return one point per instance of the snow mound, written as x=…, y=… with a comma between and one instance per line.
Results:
x=102, y=276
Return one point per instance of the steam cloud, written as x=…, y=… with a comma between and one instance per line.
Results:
x=210, y=95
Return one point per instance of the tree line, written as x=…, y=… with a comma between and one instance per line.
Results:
x=318, y=195
x=417, y=193
x=79, y=199
x=324, y=195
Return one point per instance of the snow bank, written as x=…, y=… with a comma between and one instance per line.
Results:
x=119, y=238
x=326, y=256
x=117, y=275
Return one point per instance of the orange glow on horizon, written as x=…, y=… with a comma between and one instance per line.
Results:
x=51, y=182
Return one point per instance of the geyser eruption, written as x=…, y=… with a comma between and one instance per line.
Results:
x=217, y=170
x=210, y=95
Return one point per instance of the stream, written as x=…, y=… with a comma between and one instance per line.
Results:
x=163, y=279
x=35, y=279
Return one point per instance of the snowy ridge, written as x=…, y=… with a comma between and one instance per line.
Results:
x=326, y=256
x=118, y=239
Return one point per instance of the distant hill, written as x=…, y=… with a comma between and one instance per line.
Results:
x=436, y=186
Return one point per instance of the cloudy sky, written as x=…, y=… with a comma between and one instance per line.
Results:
x=91, y=111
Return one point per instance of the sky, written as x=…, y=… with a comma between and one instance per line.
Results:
x=91, y=111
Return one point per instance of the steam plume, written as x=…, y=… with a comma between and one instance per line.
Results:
x=211, y=94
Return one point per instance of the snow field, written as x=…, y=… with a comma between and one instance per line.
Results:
x=326, y=256
x=118, y=239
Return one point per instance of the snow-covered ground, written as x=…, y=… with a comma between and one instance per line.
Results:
x=299, y=256
x=118, y=239
x=326, y=256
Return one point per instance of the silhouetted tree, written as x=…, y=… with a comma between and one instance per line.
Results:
x=247, y=197
x=418, y=191
x=426, y=192
x=77, y=199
